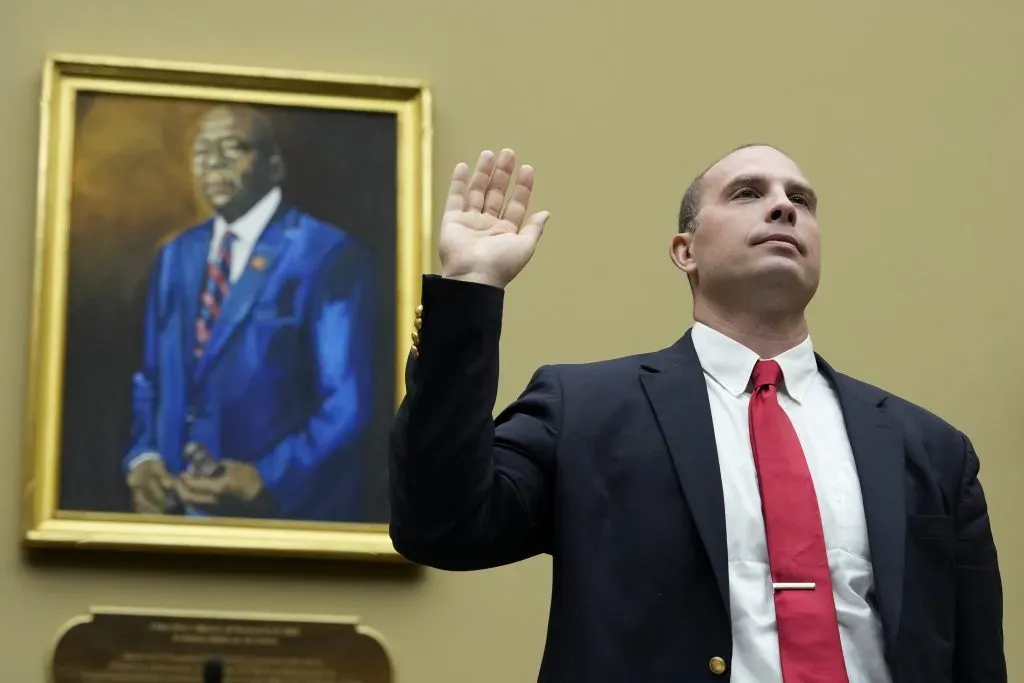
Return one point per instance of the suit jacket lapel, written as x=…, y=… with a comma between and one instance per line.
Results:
x=265, y=257
x=675, y=386
x=878, y=449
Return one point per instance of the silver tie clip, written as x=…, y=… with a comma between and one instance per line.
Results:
x=793, y=586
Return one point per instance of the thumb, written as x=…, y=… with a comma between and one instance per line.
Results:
x=534, y=227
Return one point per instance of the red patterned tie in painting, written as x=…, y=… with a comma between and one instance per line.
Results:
x=218, y=283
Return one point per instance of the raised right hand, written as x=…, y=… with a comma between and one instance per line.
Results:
x=479, y=242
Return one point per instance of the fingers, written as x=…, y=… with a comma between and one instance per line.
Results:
x=534, y=227
x=214, y=486
x=457, y=189
x=478, y=183
x=151, y=488
x=194, y=498
x=515, y=212
x=494, y=199
x=144, y=504
x=148, y=495
x=193, y=491
x=154, y=490
x=485, y=190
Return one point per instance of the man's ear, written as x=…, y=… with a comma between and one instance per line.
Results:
x=681, y=252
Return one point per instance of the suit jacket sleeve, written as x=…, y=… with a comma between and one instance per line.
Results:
x=144, y=381
x=341, y=314
x=469, y=491
x=979, y=652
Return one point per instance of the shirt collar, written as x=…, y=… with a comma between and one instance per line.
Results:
x=730, y=363
x=250, y=225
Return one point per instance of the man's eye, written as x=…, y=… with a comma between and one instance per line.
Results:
x=799, y=199
x=744, y=193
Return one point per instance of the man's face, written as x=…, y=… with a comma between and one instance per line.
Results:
x=757, y=225
x=228, y=164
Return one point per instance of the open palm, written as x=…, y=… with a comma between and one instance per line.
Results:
x=480, y=241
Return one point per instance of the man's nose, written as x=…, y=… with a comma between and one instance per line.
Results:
x=214, y=160
x=782, y=211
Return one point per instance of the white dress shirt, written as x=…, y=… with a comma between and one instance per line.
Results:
x=812, y=406
x=247, y=229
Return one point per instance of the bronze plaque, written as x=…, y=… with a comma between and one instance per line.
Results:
x=126, y=646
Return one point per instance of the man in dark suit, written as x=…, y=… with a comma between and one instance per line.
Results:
x=728, y=508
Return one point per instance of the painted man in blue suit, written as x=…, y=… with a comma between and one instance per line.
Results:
x=255, y=387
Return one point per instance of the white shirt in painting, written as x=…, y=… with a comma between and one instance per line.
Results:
x=247, y=230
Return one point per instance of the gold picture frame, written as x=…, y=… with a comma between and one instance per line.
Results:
x=117, y=188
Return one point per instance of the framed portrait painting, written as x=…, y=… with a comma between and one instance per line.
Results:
x=227, y=265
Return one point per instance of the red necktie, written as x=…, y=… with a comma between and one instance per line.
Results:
x=809, y=644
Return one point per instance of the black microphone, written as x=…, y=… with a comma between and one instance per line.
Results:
x=213, y=671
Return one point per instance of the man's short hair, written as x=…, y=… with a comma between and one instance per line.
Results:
x=689, y=209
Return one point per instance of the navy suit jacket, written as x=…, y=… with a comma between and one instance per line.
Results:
x=285, y=381
x=611, y=468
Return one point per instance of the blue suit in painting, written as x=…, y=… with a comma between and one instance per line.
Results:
x=285, y=381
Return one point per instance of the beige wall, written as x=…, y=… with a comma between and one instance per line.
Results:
x=906, y=115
